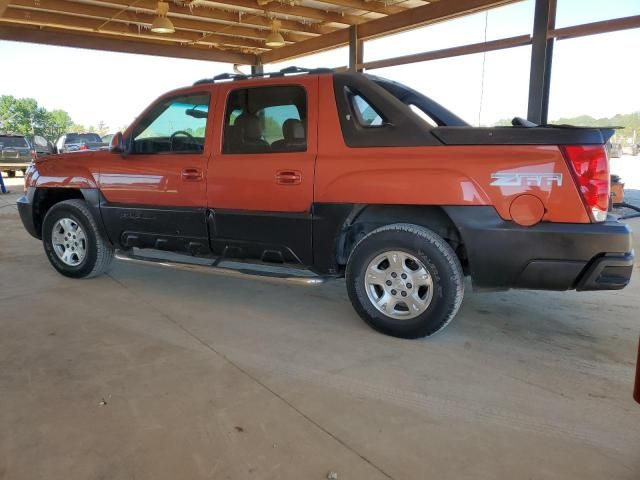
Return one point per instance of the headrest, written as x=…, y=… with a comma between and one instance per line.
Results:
x=292, y=130
x=249, y=126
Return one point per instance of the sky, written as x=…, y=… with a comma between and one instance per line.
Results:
x=597, y=75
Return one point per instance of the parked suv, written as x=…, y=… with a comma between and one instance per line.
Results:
x=311, y=175
x=41, y=146
x=15, y=154
x=78, y=142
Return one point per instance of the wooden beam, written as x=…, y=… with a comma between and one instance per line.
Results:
x=411, y=18
x=318, y=44
x=200, y=12
x=595, y=28
x=97, y=41
x=490, y=46
x=425, y=15
x=297, y=11
x=367, y=6
x=32, y=17
x=117, y=15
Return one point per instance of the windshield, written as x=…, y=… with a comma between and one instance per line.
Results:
x=80, y=137
x=13, y=142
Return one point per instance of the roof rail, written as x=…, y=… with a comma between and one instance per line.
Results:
x=282, y=73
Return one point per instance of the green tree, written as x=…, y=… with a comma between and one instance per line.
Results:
x=59, y=122
x=102, y=129
x=24, y=116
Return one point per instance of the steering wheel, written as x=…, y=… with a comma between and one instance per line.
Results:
x=180, y=132
x=175, y=134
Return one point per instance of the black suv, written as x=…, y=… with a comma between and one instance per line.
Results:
x=15, y=154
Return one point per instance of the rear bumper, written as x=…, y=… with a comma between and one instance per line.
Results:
x=25, y=209
x=547, y=256
x=14, y=164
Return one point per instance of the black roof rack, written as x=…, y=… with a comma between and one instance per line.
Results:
x=282, y=73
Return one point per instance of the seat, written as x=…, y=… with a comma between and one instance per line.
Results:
x=249, y=130
x=294, y=137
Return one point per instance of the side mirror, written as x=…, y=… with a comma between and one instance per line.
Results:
x=117, y=143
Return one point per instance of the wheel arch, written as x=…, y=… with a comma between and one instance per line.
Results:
x=366, y=218
x=45, y=198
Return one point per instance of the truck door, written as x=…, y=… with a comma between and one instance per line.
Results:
x=156, y=193
x=260, y=178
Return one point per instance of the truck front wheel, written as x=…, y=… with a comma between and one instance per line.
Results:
x=405, y=281
x=72, y=241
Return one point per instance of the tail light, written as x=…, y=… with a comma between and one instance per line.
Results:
x=83, y=147
x=590, y=167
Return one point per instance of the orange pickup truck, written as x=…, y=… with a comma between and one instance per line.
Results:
x=307, y=175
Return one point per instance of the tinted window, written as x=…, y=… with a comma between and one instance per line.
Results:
x=423, y=115
x=365, y=113
x=175, y=125
x=40, y=141
x=82, y=137
x=13, y=142
x=265, y=120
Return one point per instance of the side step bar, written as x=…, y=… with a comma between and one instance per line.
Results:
x=276, y=274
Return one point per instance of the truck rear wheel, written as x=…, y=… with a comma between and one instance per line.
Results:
x=72, y=241
x=405, y=281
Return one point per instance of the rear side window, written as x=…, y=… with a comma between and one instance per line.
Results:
x=266, y=120
x=423, y=115
x=13, y=142
x=365, y=113
x=82, y=137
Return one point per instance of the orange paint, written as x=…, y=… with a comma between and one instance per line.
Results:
x=329, y=170
x=526, y=210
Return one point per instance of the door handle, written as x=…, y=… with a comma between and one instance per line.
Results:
x=192, y=174
x=288, y=177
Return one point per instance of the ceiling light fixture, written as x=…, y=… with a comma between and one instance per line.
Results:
x=161, y=24
x=275, y=39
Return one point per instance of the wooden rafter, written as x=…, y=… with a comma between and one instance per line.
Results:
x=490, y=46
x=99, y=41
x=595, y=28
x=414, y=17
x=200, y=12
x=297, y=11
x=37, y=18
x=118, y=15
x=367, y=6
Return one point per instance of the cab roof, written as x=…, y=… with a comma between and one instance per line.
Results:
x=289, y=71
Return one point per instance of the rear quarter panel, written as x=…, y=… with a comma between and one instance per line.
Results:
x=438, y=175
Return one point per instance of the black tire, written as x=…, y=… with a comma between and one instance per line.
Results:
x=437, y=257
x=99, y=253
x=11, y=173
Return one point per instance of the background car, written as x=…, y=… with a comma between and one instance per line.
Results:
x=107, y=138
x=80, y=142
x=41, y=146
x=15, y=154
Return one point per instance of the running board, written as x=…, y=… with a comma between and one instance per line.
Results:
x=226, y=267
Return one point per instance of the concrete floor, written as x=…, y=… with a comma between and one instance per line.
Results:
x=149, y=374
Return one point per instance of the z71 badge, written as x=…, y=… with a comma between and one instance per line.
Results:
x=516, y=179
